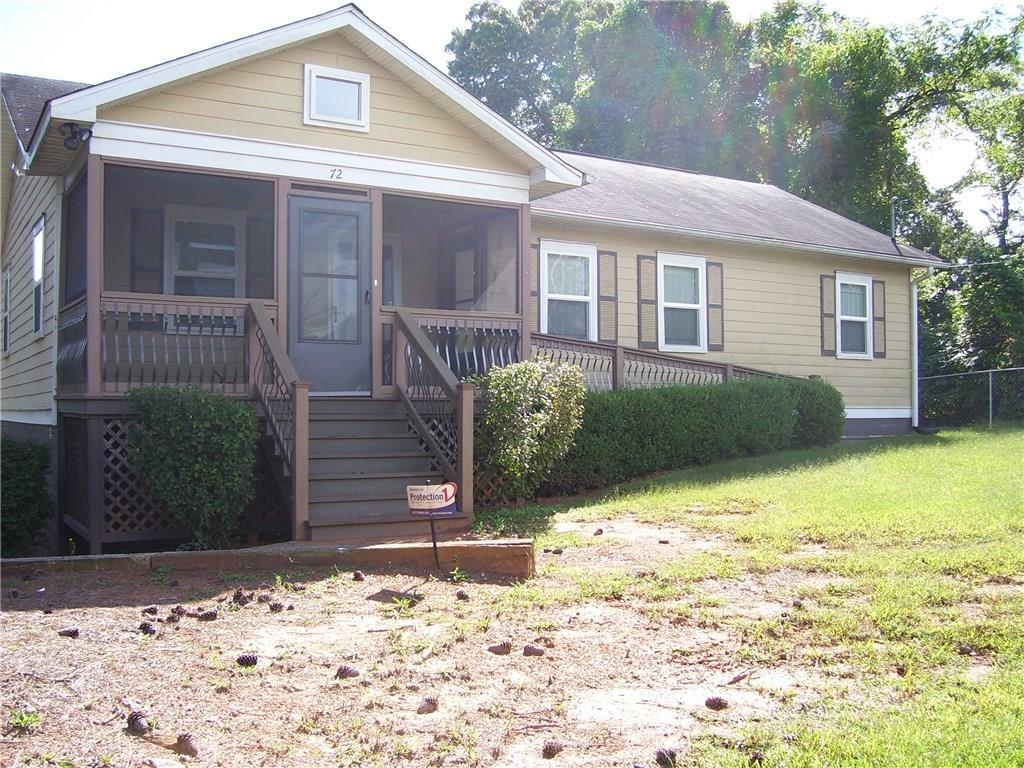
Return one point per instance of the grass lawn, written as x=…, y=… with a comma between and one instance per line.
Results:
x=906, y=558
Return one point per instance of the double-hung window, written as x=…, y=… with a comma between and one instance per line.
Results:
x=205, y=251
x=337, y=98
x=853, y=326
x=568, y=289
x=38, y=263
x=682, y=303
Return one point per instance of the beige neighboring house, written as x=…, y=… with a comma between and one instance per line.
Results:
x=317, y=220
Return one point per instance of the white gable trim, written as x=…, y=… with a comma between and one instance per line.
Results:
x=202, y=150
x=82, y=106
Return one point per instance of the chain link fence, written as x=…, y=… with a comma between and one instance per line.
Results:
x=981, y=397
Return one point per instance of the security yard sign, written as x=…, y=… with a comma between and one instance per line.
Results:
x=432, y=502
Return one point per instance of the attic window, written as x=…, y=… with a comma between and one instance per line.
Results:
x=337, y=98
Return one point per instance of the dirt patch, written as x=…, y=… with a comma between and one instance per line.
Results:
x=616, y=680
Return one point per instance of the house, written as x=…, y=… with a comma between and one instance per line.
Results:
x=315, y=218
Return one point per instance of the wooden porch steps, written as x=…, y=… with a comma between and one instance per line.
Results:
x=362, y=455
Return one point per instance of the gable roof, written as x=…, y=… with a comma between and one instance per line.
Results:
x=26, y=96
x=671, y=200
x=548, y=172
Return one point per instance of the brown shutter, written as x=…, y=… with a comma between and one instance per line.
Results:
x=828, y=315
x=716, y=309
x=878, y=312
x=607, y=297
x=533, y=285
x=647, y=301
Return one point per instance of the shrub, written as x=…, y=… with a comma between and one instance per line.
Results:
x=627, y=433
x=194, y=452
x=532, y=411
x=25, y=505
x=820, y=413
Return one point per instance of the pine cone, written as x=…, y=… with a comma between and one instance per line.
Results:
x=462, y=595
x=533, y=650
x=501, y=649
x=247, y=660
x=210, y=615
x=147, y=629
x=186, y=745
x=149, y=610
x=666, y=758
x=345, y=671
x=428, y=705
x=298, y=587
x=276, y=607
x=179, y=610
x=69, y=632
x=551, y=749
x=358, y=576
x=172, y=618
x=716, y=703
x=264, y=598
x=241, y=598
x=137, y=723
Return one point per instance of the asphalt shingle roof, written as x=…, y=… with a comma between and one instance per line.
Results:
x=26, y=96
x=645, y=194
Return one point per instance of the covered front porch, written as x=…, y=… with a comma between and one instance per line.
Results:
x=281, y=292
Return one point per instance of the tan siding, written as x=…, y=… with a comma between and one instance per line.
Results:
x=772, y=309
x=26, y=372
x=262, y=99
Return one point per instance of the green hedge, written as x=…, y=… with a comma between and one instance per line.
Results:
x=25, y=505
x=195, y=454
x=633, y=432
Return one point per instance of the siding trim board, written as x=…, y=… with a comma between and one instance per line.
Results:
x=203, y=150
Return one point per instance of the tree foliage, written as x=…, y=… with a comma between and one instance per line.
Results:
x=800, y=97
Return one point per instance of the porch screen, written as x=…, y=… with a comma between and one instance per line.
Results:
x=187, y=234
x=454, y=256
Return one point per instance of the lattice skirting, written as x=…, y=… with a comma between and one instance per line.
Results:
x=128, y=514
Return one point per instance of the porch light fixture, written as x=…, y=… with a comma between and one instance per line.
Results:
x=74, y=135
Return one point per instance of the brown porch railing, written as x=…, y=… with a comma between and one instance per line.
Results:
x=439, y=405
x=174, y=340
x=72, y=339
x=607, y=366
x=285, y=402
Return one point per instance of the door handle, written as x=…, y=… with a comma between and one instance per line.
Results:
x=366, y=296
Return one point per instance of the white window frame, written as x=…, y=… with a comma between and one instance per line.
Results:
x=312, y=116
x=694, y=262
x=5, y=319
x=206, y=215
x=585, y=250
x=38, y=262
x=850, y=278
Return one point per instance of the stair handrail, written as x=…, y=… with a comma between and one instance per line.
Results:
x=284, y=399
x=440, y=406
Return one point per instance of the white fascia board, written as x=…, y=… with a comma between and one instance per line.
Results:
x=867, y=412
x=82, y=106
x=607, y=221
x=170, y=146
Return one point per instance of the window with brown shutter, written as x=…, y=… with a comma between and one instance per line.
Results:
x=878, y=318
x=647, y=301
x=828, y=315
x=607, y=297
x=716, y=306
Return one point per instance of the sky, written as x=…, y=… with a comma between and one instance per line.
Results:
x=92, y=42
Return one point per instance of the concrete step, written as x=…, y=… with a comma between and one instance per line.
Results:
x=370, y=463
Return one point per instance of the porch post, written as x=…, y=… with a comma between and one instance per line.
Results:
x=619, y=367
x=524, y=283
x=464, y=414
x=300, y=456
x=94, y=275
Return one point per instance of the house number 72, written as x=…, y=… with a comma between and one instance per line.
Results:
x=335, y=173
